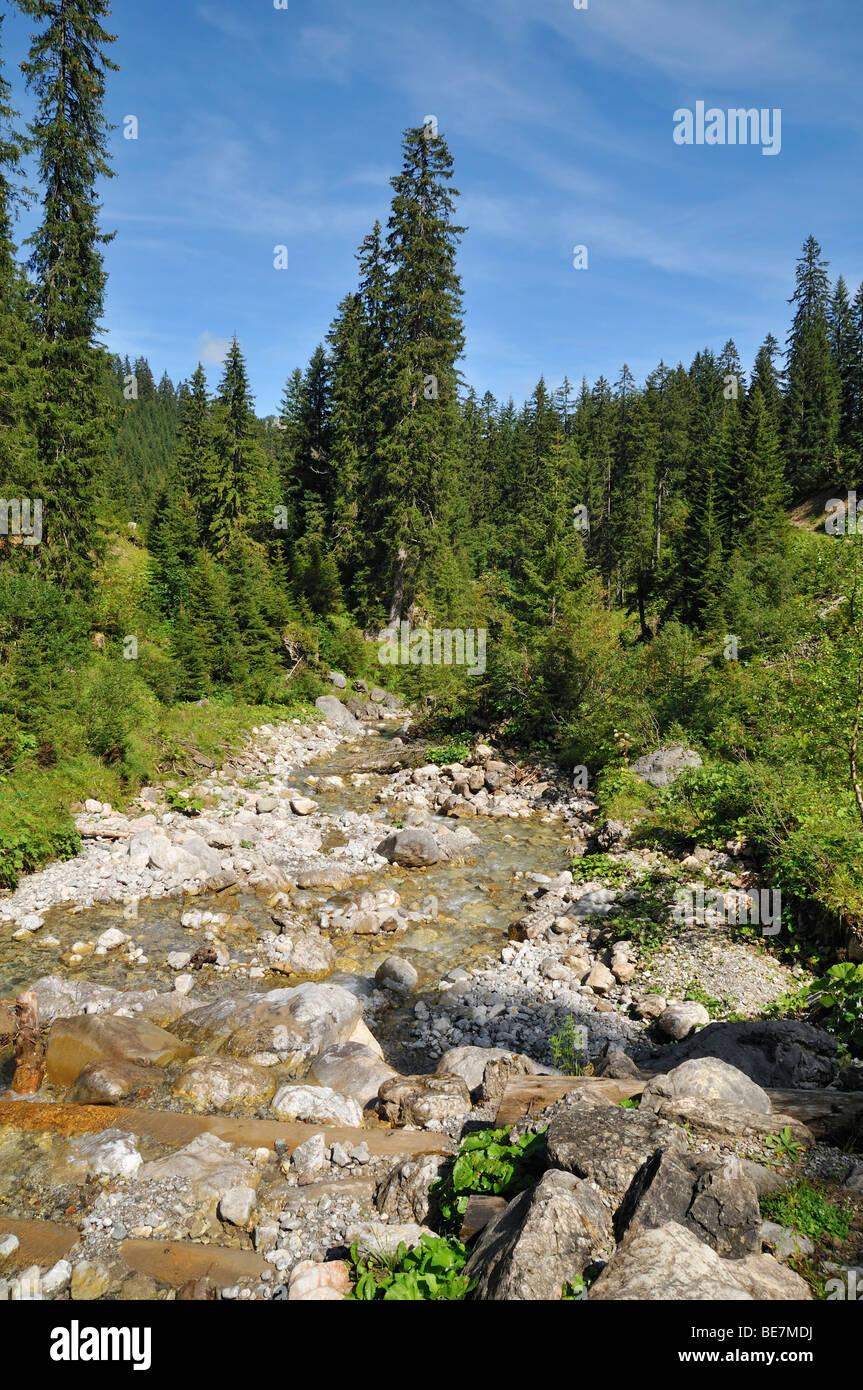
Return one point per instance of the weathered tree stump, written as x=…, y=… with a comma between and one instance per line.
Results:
x=29, y=1049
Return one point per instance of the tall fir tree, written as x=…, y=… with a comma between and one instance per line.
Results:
x=17, y=455
x=66, y=70
x=424, y=555
x=812, y=402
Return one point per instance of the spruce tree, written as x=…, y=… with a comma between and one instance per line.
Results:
x=419, y=441
x=195, y=460
x=843, y=348
x=66, y=70
x=17, y=455
x=245, y=492
x=812, y=403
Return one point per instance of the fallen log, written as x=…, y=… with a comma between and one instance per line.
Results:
x=828, y=1114
x=524, y=1095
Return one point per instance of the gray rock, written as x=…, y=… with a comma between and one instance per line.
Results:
x=405, y=1195
x=414, y=848
x=309, y=1158
x=316, y=1105
x=785, y=1244
x=680, y=1019
x=397, y=974
x=670, y=1264
x=237, y=1205
x=542, y=1240
x=336, y=714
x=701, y=1193
x=417, y=1100
x=224, y=1083
x=338, y=680
x=211, y=1166
x=470, y=1064
x=299, y=953
x=665, y=765
x=291, y=1026
x=111, y=1153
x=602, y=1141
x=775, y=1053
x=711, y=1079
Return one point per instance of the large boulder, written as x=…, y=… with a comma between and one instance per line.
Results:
x=775, y=1053
x=671, y=1264
x=75, y=1042
x=719, y=1121
x=319, y=1105
x=417, y=1100
x=222, y=1083
x=352, y=1069
x=543, y=1239
x=665, y=765
x=336, y=714
x=414, y=848
x=288, y=1026
x=701, y=1192
x=594, y=1138
x=709, y=1078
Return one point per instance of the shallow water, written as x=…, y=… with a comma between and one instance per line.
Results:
x=475, y=902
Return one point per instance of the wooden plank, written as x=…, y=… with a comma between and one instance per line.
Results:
x=526, y=1094
x=175, y=1262
x=821, y=1111
x=175, y=1128
x=480, y=1210
x=40, y=1242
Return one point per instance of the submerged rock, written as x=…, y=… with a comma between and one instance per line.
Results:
x=221, y=1083
x=75, y=1042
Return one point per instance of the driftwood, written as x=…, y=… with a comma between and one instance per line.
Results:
x=29, y=1049
x=829, y=1114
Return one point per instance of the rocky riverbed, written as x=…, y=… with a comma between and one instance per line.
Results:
x=274, y=1005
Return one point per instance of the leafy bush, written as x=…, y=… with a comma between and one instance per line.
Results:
x=186, y=805
x=601, y=866
x=454, y=752
x=431, y=1271
x=487, y=1162
x=804, y=1208
x=620, y=794
x=842, y=999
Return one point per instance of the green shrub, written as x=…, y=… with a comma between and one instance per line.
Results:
x=842, y=1000
x=804, y=1207
x=487, y=1162
x=431, y=1271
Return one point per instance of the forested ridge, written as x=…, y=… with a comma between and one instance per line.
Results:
x=630, y=548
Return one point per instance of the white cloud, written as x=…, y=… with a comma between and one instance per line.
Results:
x=212, y=350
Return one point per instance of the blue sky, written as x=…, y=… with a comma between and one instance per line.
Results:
x=260, y=127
